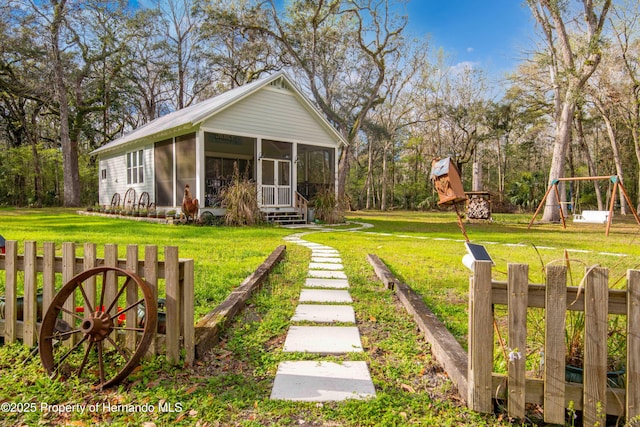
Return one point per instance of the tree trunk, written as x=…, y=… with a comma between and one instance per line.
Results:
x=70, y=167
x=636, y=143
x=476, y=182
x=343, y=172
x=563, y=137
x=369, y=181
x=383, y=196
x=616, y=153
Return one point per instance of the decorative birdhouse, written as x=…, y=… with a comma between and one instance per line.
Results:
x=446, y=179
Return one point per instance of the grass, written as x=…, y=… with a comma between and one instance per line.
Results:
x=231, y=385
x=223, y=256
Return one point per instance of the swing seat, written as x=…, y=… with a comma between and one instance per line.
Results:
x=592, y=217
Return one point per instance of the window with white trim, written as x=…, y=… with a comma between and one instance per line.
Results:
x=103, y=174
x=135, y=167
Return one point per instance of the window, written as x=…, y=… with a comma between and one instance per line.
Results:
x=103, y=174
x=135, y=167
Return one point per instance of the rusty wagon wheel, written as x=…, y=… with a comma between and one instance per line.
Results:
x=144, y=202
x=115, y=200
x=81, y=338
x=130, y=201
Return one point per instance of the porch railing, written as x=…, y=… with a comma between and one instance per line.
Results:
x=268, y=195
x=274, y=195
x=302, y=206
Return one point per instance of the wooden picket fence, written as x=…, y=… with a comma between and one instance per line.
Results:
x=45, y=270
x=594, y=398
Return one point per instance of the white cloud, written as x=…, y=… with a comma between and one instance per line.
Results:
x=463, y=66
x=470, y=49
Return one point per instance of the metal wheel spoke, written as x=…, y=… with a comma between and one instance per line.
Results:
x=117, y=347
x=97, y=344
x=86, y=358
x=86, y=298
x=63, y=358
x=76, y=315
x=100, y=362
x=135, y=304
x=104, y=285
x=58, y=335
x=115, y=300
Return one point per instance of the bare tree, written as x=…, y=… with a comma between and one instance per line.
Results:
x=626, y=93
x=340, y=48
x=571, y=65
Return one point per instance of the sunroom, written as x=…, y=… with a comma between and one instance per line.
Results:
x=267, y=131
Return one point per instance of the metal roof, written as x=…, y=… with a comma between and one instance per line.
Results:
x=195, y=114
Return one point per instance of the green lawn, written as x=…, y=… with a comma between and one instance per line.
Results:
x=231, y=385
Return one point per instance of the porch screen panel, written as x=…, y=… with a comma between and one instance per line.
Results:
x=315, y=168
x=163, y=166
x=185, y=165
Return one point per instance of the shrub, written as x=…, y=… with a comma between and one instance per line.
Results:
x=241, y=201
x=326, y=206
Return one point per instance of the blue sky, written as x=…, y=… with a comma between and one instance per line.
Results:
x=488, y=34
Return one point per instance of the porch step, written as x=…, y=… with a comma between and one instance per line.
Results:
x=285, y=218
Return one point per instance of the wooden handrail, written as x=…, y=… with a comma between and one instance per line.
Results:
x=302, y=205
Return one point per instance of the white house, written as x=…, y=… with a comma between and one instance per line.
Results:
x=268, y=127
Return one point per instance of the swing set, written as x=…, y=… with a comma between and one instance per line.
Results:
x=589, y=216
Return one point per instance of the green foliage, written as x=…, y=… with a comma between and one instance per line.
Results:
x=17, y=182
x=527, y=191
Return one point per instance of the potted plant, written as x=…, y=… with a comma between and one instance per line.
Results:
x=161, y=214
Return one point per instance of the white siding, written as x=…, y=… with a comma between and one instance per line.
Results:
x=273, y=114
x=116, y=181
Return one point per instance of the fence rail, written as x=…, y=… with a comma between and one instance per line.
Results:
x=595, y=397
x=42, y=274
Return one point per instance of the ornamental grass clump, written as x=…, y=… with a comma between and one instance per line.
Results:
x=326, y=206
x=241, y=201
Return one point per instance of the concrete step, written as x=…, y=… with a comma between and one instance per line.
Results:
x=316, y=282
x=325, y=295
x=313, y=381
x=324, y=313
x=323, y=340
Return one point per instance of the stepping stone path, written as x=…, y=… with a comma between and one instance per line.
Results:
x=320, y=325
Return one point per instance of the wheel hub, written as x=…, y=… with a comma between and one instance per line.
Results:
x=97, y=326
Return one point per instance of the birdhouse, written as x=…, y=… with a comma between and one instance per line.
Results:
x=446, y=179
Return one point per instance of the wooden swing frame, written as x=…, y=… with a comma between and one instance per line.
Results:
x=615, y=179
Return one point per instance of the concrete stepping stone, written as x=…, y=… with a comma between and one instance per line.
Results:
x=323, y=340
x=324, y=313
x=333, y=260
x=327, y=274
x=325, y=252
x=325, y=295
x=313, y=381
x=314, y=245
x=325, y=266
x=314, y=282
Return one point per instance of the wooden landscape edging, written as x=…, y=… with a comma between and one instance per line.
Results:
x=208, y=328
x=445, y=348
